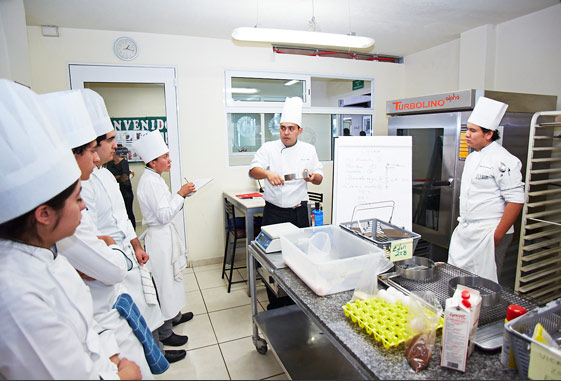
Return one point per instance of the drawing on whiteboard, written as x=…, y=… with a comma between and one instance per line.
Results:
x=373, y=169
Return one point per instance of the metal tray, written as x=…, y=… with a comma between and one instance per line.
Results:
x=443, y=273
x=489, y=291
x=416, y=268
x=381, y=233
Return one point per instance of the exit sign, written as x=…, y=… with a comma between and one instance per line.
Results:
x=358, y=84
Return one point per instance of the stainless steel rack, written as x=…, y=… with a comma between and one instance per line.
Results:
x=538, y=273
x=443, y=273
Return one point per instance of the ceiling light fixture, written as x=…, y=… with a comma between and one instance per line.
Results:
x=244, y=90
x=291, y=82
x=298, y=37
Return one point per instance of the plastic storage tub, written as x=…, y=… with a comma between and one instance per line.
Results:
x=521, y=331
x=332, y=272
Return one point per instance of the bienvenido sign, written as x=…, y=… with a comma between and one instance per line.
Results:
x=128, y=130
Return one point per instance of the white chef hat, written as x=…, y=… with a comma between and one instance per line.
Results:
x=488, y=113
x=71, y=115
x=36, y=163
x=98, y=112
x=292, y=111
x=150, y=146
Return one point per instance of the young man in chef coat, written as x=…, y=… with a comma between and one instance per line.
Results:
x=286, y=200
x=491, y=196
x=167, y=252
x=107, y=207
x=101, y=263
x=48, y=327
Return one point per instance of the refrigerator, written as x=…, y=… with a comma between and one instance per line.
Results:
x=437, y=124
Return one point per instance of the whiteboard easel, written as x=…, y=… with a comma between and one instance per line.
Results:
x=371, y=169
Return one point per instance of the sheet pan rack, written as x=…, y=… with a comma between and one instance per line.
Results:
x=538, y=272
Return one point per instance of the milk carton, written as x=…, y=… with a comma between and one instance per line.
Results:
x=461, y=317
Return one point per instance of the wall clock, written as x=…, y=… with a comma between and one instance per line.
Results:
x=125, y=48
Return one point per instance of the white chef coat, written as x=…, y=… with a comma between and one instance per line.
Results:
x=47, y=317
x=106, y=207
x=168, y=255
x=275, y=156
x=491, y=178
x=107, y=265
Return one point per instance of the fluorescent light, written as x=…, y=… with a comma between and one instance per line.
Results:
x=243, y=90
x=297, y=37
x=291, y=82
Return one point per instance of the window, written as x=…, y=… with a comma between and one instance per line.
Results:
x=254, y=104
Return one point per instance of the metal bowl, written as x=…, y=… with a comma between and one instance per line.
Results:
x=416, y=268
x=490, y=291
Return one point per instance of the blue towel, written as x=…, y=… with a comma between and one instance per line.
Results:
x=154, y=357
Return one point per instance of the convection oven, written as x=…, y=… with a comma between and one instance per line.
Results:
x=437, y=124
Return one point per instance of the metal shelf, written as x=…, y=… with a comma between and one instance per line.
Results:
x=538, y=273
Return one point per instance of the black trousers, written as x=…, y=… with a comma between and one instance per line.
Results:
x=272, y=214
x=128, y=197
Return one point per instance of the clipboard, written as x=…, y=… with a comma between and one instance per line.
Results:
x=199, y=183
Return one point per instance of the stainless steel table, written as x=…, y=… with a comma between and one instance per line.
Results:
x=302, y=348
x=364, y=357
x=249, y=207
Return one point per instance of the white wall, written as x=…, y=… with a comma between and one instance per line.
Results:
x=432, y=71
x=520, y=55
x=529, y=54
x=14, y=56
x=200, y=64
x=477, y=58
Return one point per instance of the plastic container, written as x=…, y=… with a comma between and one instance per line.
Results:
x=339, y=270
x=317, y=215
x=521, y=330
x=319, y=247
x=507, y=353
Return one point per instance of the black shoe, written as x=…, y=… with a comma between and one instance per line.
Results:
x=175, y=340
x=174, y=355
x=184, y=317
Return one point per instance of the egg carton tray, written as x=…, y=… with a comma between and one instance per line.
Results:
x=386, y=322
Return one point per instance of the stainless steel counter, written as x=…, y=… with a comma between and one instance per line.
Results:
x=364, y=355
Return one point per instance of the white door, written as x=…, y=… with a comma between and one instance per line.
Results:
x=84, y=75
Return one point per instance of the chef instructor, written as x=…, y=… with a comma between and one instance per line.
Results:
x=491, y=196
x=286, y=200
x=277, y=161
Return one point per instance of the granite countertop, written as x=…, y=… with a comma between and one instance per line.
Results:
x=370, y=355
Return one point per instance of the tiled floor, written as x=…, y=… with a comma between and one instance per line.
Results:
x=220, y=345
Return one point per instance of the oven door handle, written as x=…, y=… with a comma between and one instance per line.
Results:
x=445, y=183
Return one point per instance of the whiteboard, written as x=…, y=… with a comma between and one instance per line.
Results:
x=371, y=169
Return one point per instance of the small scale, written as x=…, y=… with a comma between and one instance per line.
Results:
x=269, y=237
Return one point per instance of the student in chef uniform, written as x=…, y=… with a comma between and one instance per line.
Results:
x=491, y=196
x=45, y=309
x=107, y=208
x=286, y=200
x=167, y=252
x=103, y=267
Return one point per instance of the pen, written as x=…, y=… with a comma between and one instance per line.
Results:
x=185, y=178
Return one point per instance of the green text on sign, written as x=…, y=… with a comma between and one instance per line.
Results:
x=401, y=250
x=358, y=84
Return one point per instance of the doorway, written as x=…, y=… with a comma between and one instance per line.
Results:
x=143, y=94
